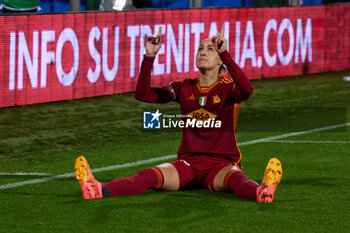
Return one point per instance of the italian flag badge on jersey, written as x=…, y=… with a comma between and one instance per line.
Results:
x=203, y=100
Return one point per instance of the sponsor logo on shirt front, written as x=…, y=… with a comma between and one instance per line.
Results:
x=202, y=115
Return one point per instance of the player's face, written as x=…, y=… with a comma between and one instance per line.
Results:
x=207, y=58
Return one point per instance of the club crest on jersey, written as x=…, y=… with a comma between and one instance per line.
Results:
x=216, y=99
x=203, y=100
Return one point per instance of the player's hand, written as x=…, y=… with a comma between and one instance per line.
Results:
x=153, y=44
x=219, y=41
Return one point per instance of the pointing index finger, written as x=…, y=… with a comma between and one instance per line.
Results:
x=222, y=29
x=159, y=31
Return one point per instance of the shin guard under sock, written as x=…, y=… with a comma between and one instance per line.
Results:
x=146, y=179
x=240, y=185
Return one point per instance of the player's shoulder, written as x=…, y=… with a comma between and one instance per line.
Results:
x=224, y=80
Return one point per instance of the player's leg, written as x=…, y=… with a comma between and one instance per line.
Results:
x=272, y=177
x=231, y=178
x=133, y=185
x=147, y=178
x=164, y=176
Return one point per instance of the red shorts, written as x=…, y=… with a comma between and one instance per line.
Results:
x=200, y=170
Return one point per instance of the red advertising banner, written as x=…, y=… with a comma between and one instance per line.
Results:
x=65, y=56
x=337, y=37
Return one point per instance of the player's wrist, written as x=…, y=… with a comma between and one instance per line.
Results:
x=150, y=55
x=148, y=58
x=224, y=51
x=221, y=51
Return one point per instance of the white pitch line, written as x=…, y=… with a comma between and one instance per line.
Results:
x=294, y=134
x=23, y=174
x=316, y=142
x=142, y=162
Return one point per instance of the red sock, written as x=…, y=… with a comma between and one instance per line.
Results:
x=240, y=185
x=146, y=179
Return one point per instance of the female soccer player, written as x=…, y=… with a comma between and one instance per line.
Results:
x=209, y=158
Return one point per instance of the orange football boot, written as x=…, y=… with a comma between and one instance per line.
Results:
x=90, y=187
x=272, y=177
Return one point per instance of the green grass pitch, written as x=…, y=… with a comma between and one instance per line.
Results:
x=314, y=194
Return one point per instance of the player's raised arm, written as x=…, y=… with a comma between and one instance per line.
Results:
x=242, y=87
x=144, y=91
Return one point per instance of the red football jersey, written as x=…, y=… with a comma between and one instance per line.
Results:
x=220, y=103
x=214, y=103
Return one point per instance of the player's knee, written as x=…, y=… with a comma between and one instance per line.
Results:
x=220, y=181
x=170, y=175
